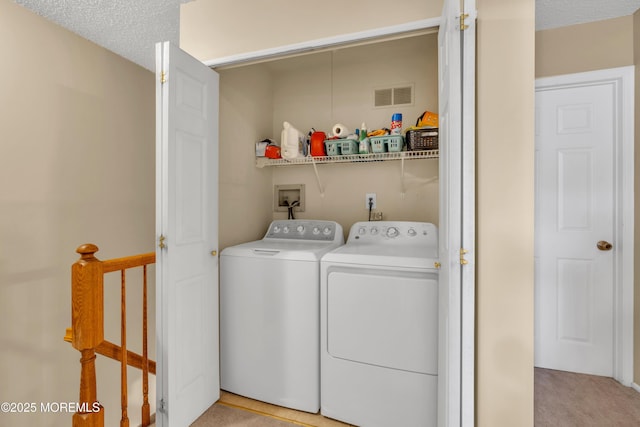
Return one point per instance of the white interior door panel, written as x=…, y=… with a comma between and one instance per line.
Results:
x=187, y=229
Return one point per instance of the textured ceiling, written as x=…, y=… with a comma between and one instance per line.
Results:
x=560, y=13
x=131, y=28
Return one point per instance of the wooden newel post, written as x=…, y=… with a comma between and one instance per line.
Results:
x=87, y=320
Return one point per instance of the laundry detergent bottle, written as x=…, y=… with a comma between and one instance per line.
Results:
x=291, y=142
x=364, y=146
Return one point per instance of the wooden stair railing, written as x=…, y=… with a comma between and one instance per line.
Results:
x=87, y=333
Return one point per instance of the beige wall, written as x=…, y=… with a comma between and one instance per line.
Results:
x=245, y=191
x=585, y=47
x=593, y=46
x=505, y=120
x=215, y=29
x=505, y=217
x=76, y=166
x=338, y=88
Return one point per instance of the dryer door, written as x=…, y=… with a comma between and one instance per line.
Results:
x=383, y=317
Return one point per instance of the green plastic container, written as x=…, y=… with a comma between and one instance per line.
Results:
x=333, y=147
x=384, y=143
x=349, y=146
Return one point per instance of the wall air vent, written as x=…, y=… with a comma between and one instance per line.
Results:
x=390, y=96
x=403, y=95
x=383, y=97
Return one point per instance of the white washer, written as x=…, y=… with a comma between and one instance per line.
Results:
x=379, y=326
x=270, y=313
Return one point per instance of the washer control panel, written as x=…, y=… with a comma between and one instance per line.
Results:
x=302, y=229
x=381, y=232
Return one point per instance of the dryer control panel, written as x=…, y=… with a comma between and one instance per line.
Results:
x=392, y=232
x=302, y=229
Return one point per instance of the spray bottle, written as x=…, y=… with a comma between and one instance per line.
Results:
x=365, y=145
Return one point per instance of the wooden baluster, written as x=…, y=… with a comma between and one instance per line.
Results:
x=146, y=410
x=87, y=308
x=124, y=422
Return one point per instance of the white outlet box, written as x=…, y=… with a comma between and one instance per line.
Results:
x=369, y=196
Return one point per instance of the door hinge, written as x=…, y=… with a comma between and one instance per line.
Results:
x=463, y=252
x=163, y=77
x=463, y=26
x=162, y=406
x=161, y=243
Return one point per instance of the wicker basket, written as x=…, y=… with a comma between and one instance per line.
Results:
x=422, y=139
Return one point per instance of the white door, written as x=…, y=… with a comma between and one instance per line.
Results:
x=456, y=60
x=187, y=232
x=575, y=239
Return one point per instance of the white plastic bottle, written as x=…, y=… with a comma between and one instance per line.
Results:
x=291, y=141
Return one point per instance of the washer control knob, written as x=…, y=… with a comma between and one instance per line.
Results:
x=326, y=231
x=300, y=229
x=392, y=232
x=276, y=229
x=374, y=230
x=412, y=232
x=362, y=231
x=286, y=229
x=316, y=230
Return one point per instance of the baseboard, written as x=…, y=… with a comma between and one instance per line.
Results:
x=636, y=387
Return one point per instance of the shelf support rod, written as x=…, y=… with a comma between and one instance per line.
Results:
x=315, y=170
x=402, y=188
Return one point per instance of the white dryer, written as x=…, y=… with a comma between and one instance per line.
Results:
x=270, y=313
x=379, y=326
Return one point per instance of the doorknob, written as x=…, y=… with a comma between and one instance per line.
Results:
x=214, y=253
x=604, y=245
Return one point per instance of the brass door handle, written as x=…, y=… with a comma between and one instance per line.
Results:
x=214, y=253
x=604, y=245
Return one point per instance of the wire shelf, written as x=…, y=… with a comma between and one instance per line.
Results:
x=349, y=158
